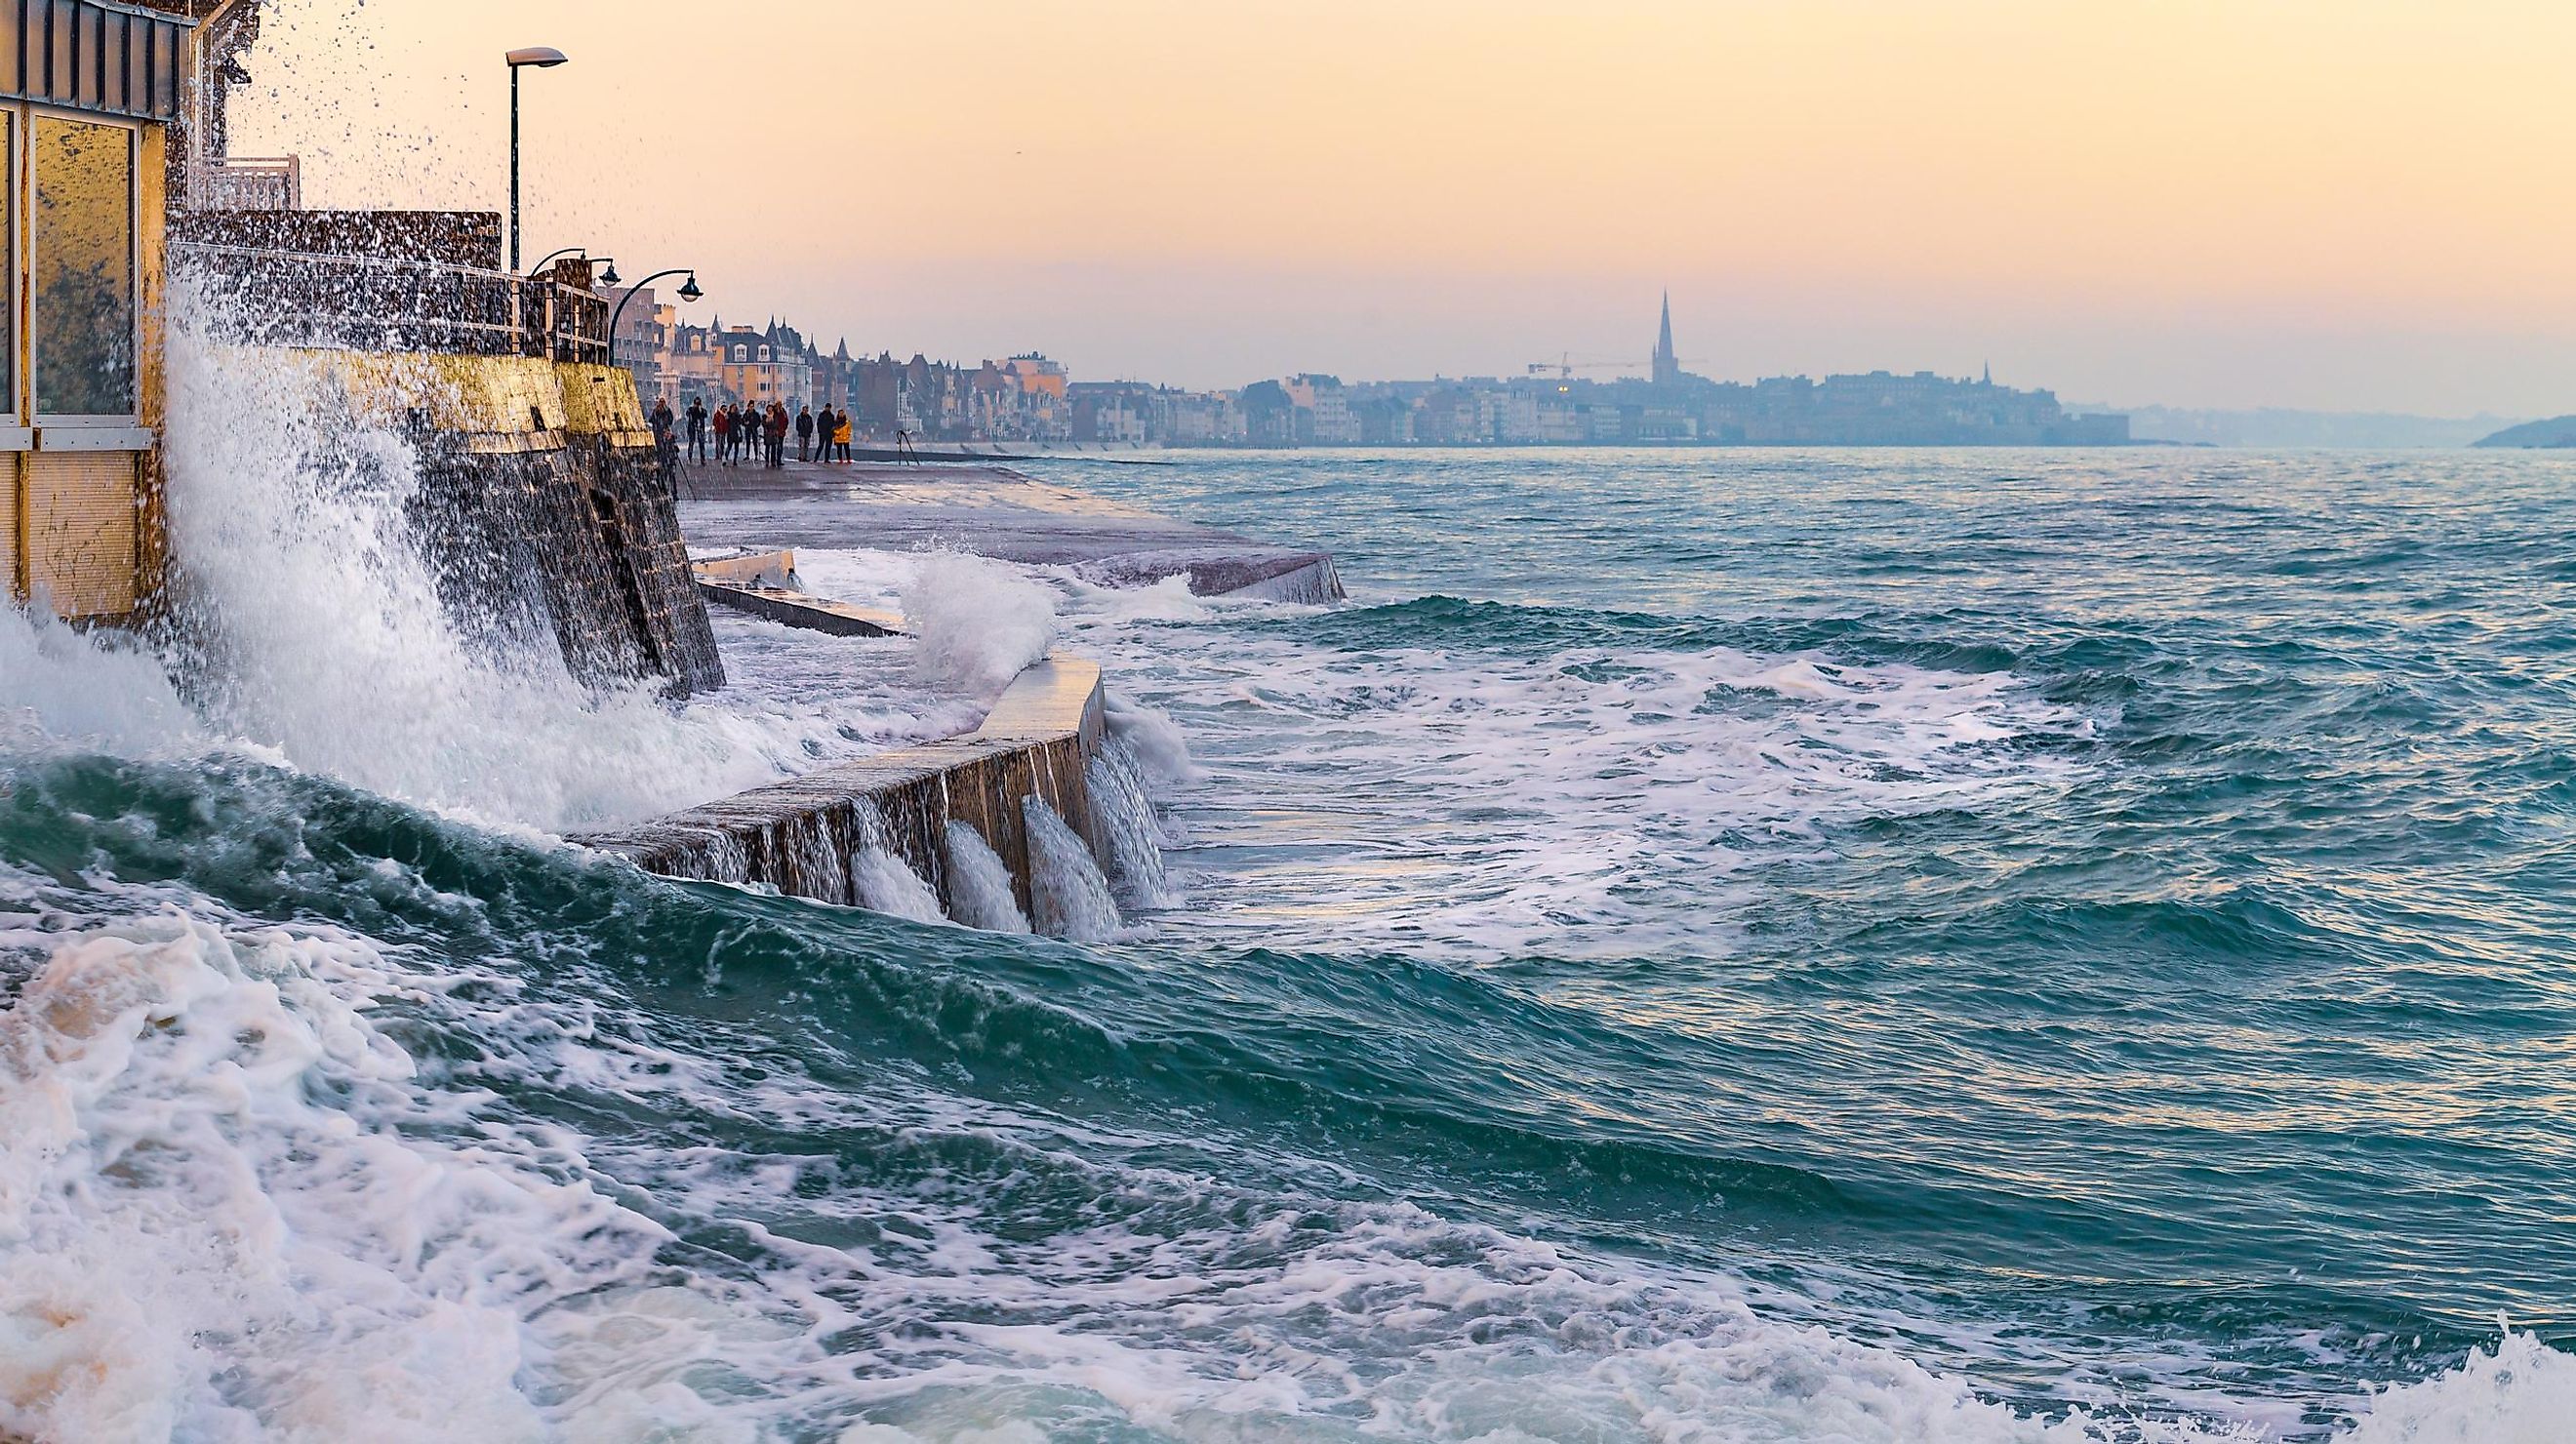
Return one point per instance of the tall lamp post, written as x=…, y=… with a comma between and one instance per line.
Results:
x=543, y=57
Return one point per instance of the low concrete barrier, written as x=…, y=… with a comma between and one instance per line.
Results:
x=800, y=609
x=800, y=835
x=764, y=585
x=746, y=568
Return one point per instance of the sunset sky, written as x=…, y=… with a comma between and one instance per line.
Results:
x=2341, y=204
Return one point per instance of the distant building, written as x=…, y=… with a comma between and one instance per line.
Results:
x=641, y=342
x=1668, y=363
x=1323, y=416
x=1116, y=413
x=758, y=367
x=1199, y=418
x=1385, y=421
x=688, y=367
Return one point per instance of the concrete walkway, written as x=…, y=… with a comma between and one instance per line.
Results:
x=987, y=510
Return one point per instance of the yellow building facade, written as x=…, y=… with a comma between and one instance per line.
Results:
x=89, y=90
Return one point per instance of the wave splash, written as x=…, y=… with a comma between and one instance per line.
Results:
x=308, y=625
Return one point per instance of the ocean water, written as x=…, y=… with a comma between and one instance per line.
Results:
x=1731, y=946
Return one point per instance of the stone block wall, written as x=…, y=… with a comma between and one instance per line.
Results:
x=453, y=238
x=541, y=509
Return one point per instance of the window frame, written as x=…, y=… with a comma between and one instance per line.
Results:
x=17, y=253
x=26, y=247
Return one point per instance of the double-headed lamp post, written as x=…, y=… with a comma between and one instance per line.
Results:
x=543, y=57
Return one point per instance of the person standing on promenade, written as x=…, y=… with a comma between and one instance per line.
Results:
x=697, y=431
x=777, y=434
x=805, y=431
x=841, y=435
x=666, y=443
x=724, y=434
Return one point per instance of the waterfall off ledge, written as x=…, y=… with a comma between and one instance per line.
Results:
x=801, y=836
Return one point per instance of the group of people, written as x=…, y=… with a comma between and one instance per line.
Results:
x=740, y=432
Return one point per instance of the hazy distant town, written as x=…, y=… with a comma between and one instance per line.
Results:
x=1034, y=400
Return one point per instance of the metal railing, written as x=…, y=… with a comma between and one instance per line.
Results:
x=249, y=183
x=375, y=303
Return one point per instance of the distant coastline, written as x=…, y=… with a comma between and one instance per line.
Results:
x=1031, y=400
x=2556, y=433
x=2290, y=429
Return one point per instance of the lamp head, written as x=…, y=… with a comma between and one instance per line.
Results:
x=690, y=291
x=544, y=57
x=609, y=276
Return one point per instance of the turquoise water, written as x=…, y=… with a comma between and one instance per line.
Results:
x=1945, y=945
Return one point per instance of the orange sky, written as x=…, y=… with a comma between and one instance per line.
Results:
x=2333, y=203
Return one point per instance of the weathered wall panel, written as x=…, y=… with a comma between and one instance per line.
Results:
x=82, y=551
x=13, y=581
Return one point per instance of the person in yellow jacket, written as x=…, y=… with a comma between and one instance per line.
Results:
x=841, y=435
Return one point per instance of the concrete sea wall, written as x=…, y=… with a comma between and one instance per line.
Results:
x=800, y=836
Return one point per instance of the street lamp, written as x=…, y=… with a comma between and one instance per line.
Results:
x=543, y=57
x=688, y=292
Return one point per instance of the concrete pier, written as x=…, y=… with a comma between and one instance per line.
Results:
x=988, y=510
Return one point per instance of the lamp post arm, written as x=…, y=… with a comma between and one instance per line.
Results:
x=630, y=295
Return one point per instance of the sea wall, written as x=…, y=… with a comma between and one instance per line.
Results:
x=800, y=836
x=540, y=506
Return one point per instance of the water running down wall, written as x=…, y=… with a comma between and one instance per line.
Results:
x=1014, y=782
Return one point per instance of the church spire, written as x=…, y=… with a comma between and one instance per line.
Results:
x=1668, y=366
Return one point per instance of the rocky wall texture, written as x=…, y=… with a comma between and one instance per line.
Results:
x=542, y=509
x=577, y=544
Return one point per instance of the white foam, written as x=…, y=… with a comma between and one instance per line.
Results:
x=1579, y=800
x=218, y=1221
x=2520, y=1392
x=979, y=884
x=1157, y=740
x=314, y=633
x=976, y=624
x=59, y=686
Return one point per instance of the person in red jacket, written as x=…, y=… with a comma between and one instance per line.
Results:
x=724, y=434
